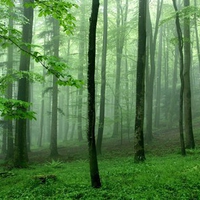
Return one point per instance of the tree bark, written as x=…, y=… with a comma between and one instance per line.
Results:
x=140, y=84
x=21, y=154
x=94, y=171
x=10, y=152
x=151, y=70
x=54, y=118
x=180, y=45
x=189, y=136
x=103, y=80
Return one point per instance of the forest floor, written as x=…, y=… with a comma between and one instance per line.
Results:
x=164, y=142
x=164, y=175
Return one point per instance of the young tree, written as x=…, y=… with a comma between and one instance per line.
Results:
x=94, y=171
x=180, y=46
x=140, y=84
x=103, y=79
x=150, y=72
x=120, y=39
x=81, y=67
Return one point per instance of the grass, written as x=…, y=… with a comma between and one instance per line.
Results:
x=167, y=177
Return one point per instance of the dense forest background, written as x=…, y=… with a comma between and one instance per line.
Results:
x=121, y=76
x=119, y=64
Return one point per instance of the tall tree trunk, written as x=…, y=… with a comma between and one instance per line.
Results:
x=81, y=66
x=180, y=45
x=189, y=137
x=151, y=70
x=140, y=84
x=20, y=154
x=67, y=91
x=41, y=117
x=120, y=21
x=197, y=34
x=158, y=89
x=94, y=171
x=103, y=79
x=9, y=153
x=54, y=118
x=173, y=97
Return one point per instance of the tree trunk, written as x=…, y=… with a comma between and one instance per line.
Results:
x=103, y=80
x=197, y=34
x=151, y=71
x=94, y=171
x=158, y=88
x=173, y=97
x=54, y=118
x=140, y=84
x=10, y=153
x=189, y=137
x=180, y=45
x=81, y=66
x=21, y=154
x=120, y=21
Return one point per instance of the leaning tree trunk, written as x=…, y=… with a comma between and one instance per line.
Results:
x=140, y=84
x=20, y=149
x=94, y=171
x=180, y=45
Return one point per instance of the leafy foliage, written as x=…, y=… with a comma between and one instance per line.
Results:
x=15, y=109
x=59, y=10
x=186, y=12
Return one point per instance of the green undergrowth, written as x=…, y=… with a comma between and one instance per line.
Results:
x=167, y=177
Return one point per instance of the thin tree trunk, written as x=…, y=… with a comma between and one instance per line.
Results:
x=120, y=21
x=94, y=171
x=103, y=80
x=158, y=89
x=173, y=97
x=81, y=66
x=151, y=70
x=10, y=153
x=54, y=119
x=197, y=34
x=180, y=45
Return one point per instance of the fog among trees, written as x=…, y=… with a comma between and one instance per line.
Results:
x=95, y=81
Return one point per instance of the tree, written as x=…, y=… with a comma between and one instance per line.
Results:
x=189, y=137
x=180, y=46
x=20, y=147
x=103, y=80
x=54, y=118
x=140, y=84
x=150, y=71
x=120, y=38
x=94, y=171
x=9, y=153
x=81, y=66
